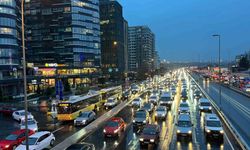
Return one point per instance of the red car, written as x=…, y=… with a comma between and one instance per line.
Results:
x=114, y=127
x=13, y=140
x=7, y=110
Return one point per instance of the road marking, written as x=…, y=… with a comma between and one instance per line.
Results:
x=57, y=130
x=231, y=145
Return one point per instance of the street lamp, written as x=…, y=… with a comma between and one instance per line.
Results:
x=24, y=78
x=219, y=65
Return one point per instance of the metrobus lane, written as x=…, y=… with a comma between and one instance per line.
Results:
x=97, y=137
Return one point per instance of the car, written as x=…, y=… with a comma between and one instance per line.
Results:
x=137, y=102
x=141, y=118
x=20, y=115
x=126, y=94
x=5, y=110
x=111, y=102
x=114, y=127
x=165, y=99
x=85, y=118
x=149, y=107
x=32, y=125
x=197, y=94
x=246, y=88
x=161, y=112
x=184, y=95
x=154, y=99
x=183, y=108
x=204, y=105
x=39, y=141
x=150, y=135
x=213, y=127
x=184, y=126
x=81, y=146
x=14, y=139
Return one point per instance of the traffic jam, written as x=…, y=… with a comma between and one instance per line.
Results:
x=164, y=112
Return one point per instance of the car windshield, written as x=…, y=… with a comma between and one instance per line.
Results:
x=147, y=105
x=31, y=141
x=165, y=98
x=30, y=122
x=197, y=92
x=205, y=104
x=183, y=105
x=110, y=101
x=84, y=115
x=149, y=131
x=11, y=137
x=153, y=97
x=136, y=100
x=213, y=123
x=140, y=115
x=160, y=109
x=22, y=113
x=112, y=124
x=184, y=123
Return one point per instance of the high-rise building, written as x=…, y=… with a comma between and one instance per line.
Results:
x=113, y=38
x=10, y=49
x=141, y=49
x=63, y=37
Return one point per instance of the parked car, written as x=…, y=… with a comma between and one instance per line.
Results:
x=111, y=102
x=5, y=110
x=39, y=141
x=150, y=135
x=14, y=139
x=204, y=105
x=141, y=118
x=85, y=118
x=114, y=127
x=184, y=126
x=20, y=115
x=161, y=112
x=213, y=127
x=32, y=125
x=183, y=108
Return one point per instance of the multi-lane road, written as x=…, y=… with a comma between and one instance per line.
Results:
x=129, y=140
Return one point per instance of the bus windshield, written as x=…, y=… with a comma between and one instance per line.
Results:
x=64, y=109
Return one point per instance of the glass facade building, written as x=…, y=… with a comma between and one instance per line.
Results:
x=10, y=49
x=65, y=32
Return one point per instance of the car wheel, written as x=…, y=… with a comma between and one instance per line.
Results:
x=52, y=142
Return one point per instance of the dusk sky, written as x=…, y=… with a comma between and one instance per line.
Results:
x=183, y=28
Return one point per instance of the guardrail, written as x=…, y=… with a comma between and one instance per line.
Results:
x=230, y=126
x=76, y=137
x=237, y=90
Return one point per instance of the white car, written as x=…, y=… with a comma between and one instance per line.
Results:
x=213, y=127
x=85, y=118
x=161, y=112
x=20, y=115
x=39, y=141
x=184, y=108
x=204, y=105
x=32, y=125
x=154, y=99
x=111, y=102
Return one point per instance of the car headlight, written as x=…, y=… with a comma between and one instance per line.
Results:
x=116, y=130
x=178, y=131
x=221, y=131
x=83, y=121
x=144, y=121
x=189, y=132
x=208, y=131
x=6, y=146
x=104, y=130
x=210, y=108
x=133, y=121
x=152, y=140
x=201, y=107
x=141, y=139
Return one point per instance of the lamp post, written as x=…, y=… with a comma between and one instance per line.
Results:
x=219, y=65
x=24, y=78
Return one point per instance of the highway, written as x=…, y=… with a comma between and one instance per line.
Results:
x=234, y=105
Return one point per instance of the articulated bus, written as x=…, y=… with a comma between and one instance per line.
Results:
x=70, y=109
x=111, y=92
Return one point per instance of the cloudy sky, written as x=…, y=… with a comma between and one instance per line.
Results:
x=183, y=28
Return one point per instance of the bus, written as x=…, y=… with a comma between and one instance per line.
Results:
x=115, y=91
x=72, y=108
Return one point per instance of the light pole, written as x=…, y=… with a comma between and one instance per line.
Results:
x=217, y=35
x=24, y=78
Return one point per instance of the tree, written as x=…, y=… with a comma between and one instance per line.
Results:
x=244, y=63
